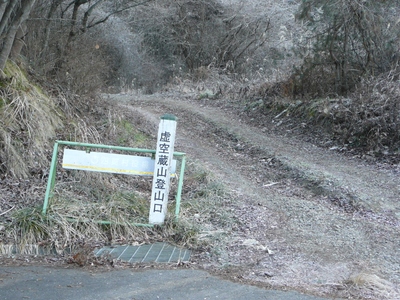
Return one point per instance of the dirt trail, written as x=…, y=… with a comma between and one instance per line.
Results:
x=309, y=218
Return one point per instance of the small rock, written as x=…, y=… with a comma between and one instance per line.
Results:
x=250, y=242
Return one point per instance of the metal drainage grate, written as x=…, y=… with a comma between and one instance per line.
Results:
x=159, y=252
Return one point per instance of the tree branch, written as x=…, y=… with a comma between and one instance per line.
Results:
x=116, y=12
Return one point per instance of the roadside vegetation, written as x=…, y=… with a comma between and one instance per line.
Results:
x=329, y=68
x=98, y=209
x=346, y=81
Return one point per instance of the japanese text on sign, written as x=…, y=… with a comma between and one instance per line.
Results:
x=162, y=171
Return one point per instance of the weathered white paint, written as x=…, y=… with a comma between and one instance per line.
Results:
x=110, y=163
x=162, y=170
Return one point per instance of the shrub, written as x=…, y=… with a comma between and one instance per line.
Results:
x=78, y=64
x=372, y=119
x=193, y=34
x=344, y=41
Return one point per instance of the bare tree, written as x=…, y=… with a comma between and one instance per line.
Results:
x=62, y=22
x=201, y=33
x=15, y=13
x=90, y=7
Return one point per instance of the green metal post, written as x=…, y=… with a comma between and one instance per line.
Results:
x=180, y=187
x=102, y=222
x=53, y=171
x=51, y=180
x=99, y=146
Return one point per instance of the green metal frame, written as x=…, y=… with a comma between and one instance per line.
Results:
x=53, y=169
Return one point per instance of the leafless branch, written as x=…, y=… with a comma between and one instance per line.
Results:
x=116, y=12
x=3, y=213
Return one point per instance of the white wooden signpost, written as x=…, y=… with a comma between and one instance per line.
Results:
x=162, y=168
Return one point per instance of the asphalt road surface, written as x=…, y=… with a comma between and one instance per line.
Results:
x=37, y=282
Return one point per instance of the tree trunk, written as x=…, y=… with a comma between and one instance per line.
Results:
x=20, y=16
x=18, y=41
x=87, y=14
x=3, y=5
x=5, y=19
x=53, y=8
x=73, y=22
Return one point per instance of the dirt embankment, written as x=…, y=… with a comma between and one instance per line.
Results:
x=307, y=218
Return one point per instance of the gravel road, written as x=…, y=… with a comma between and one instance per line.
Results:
x=312, y=219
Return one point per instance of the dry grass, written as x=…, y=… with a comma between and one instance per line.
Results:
x=366, y=120
x=371, y=285
x=28, y=119
x=83, y=198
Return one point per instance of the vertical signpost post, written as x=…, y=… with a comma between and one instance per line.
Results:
x=162, y=169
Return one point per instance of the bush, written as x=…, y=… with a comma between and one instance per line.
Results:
x=344, y=41
x=367, y=119
x=192, y=34
x=371, y=120
x=78, y=64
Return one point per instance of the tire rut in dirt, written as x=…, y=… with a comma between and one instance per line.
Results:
x=287, y=228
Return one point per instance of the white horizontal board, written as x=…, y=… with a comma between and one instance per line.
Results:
x=110, y=163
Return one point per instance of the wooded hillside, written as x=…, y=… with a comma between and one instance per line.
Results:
x=335, y=62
